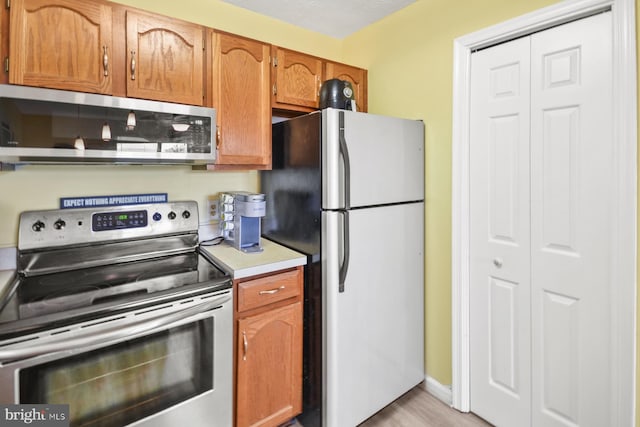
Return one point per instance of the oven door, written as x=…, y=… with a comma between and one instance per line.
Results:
x=161, y=366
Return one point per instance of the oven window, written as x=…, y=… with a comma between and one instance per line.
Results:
x=125, y=382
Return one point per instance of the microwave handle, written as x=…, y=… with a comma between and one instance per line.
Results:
x=111, y=335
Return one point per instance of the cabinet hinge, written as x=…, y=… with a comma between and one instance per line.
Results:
x=275, y=90
x=8, y=4
x=6, y=64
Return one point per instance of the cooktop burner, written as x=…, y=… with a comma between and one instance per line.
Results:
x=66, y=290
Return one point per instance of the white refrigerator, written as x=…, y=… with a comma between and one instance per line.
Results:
x=347, y=189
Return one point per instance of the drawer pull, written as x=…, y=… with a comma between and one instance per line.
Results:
x=271, y=291
x=245, y=345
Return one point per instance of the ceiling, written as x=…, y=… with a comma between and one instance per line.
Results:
x=335, y=18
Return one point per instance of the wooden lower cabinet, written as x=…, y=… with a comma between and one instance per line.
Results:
x=270, y=367
x=269, y=349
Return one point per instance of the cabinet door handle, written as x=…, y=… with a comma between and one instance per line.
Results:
x=133, y=65
x=105, y=61
x=245, y=345
x=271, y=291
x=218, y=137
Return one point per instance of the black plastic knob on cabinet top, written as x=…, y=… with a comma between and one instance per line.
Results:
x=186, y=214
x=37, y=226
x=172, y=215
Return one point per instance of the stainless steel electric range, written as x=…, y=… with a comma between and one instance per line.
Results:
x=116, y=312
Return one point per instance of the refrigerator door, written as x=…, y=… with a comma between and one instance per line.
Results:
x=374, y=330
x=370, y=160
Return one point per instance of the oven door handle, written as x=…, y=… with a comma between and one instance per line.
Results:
x=110, y=334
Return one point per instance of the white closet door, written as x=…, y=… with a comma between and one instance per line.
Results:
x=571, y=199
x=541, y=194
x=500, y=246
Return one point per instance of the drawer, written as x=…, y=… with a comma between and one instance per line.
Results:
x=268, y=289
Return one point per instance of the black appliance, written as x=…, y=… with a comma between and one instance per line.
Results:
x=336, y=93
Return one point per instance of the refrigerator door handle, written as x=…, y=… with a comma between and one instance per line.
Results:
x=344, y=267
x=344, y=152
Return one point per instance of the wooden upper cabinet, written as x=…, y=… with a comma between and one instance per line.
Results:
x=242, y=99
x=61, y=44
x=356, y=76
x=296, y=80
x=165, y=59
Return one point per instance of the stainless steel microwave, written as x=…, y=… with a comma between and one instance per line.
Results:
x=40, y=125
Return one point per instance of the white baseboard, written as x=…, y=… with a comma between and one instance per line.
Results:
x=440, y=391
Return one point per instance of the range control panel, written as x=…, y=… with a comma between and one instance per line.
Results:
x=62, y=227
x=102, y=221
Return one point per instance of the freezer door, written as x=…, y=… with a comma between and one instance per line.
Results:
x=370, y=160
x=374, y=323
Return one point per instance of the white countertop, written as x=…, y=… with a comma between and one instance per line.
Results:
x=274, y=257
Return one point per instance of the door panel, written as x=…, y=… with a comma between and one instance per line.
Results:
x=500, y=316
x=572, y=172
x=559, y=350
x=540, y=309
x=503, y=195
x=373, y=355
x=504, y=333
x=560, y=184
x=386, y=159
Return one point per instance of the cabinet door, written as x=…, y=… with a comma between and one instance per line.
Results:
x=297, y=80
x=61, y=44
x=241, y=97
x=356, y=76
x=165, y=59
x=269, y=383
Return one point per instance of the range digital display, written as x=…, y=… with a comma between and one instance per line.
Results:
x=118, y=220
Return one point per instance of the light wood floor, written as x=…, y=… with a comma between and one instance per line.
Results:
x=417, y=408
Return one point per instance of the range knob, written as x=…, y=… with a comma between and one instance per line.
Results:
x=172, y=215
x=157, y=216
x=37, y=226
x=59, y=224
x=186, y=214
